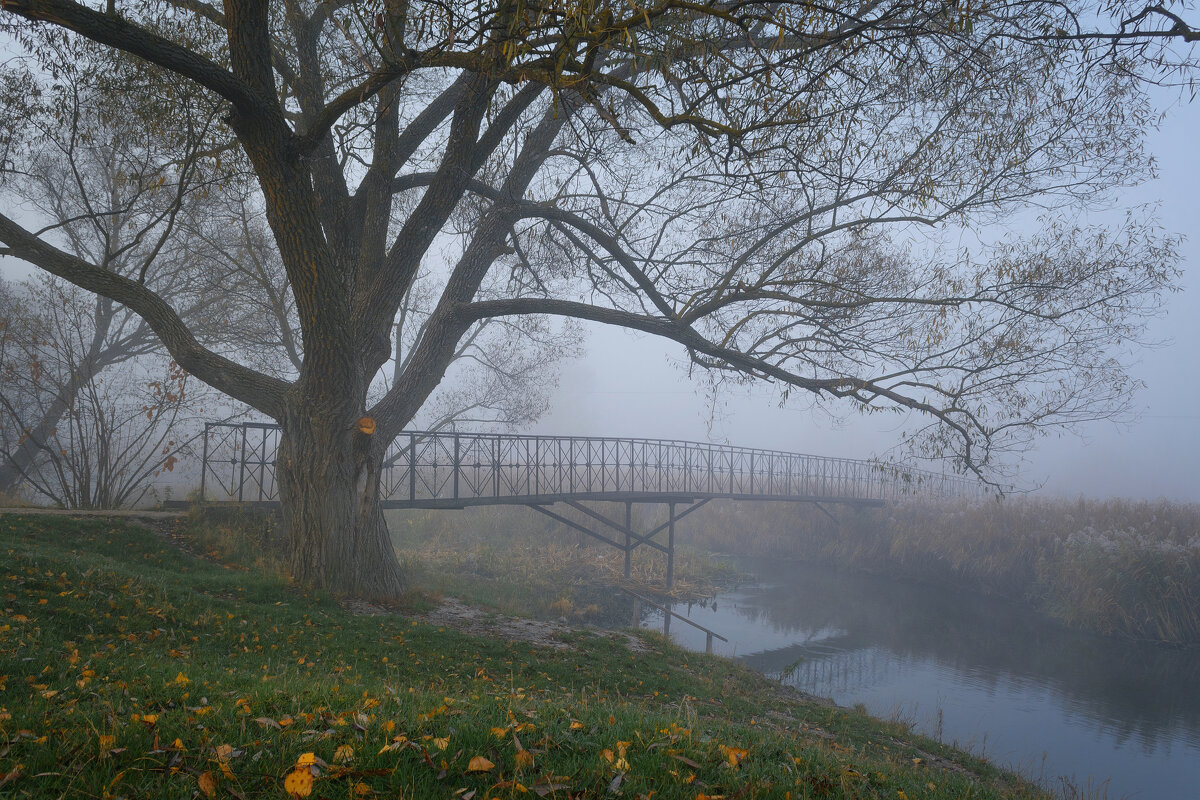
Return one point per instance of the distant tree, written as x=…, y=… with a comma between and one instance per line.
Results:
x=88, y=421
x=100, y=185
x=750, y=180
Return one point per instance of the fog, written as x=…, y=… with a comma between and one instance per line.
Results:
x=633, y=385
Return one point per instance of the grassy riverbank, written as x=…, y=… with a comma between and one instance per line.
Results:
x=133, y=670
x=515, y=560
x=1129, y=569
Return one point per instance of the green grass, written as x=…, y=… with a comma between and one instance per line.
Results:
x=132, y=670
x=516, y=561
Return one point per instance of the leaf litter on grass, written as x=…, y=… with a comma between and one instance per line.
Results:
x=146, y=673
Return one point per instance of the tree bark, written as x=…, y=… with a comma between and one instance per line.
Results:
x=328, y=475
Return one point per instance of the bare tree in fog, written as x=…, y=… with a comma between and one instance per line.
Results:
x=88, y=422
x=748, y=180
x=77, y=370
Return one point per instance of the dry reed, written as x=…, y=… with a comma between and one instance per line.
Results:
x=1118, y=567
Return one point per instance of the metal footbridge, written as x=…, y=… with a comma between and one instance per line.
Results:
x=454, y=469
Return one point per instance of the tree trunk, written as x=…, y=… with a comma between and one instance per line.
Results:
x=328, y=474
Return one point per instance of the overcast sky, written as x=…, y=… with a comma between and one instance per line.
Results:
x=630, y=385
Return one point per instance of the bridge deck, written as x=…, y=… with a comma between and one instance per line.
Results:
x=455, y=469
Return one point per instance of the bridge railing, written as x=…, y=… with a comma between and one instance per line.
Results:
x=428, y=468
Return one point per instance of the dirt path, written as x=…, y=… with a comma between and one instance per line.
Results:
x=477, y=621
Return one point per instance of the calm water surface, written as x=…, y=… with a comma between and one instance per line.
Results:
x=992, y=678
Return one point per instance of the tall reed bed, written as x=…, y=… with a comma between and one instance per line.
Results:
x=1114, y=566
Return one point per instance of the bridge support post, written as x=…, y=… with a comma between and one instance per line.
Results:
x=242, y=466
x=670, y=552
x=628, y=540
x=204, y=463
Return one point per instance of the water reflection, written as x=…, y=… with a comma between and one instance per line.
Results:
x=993, y=674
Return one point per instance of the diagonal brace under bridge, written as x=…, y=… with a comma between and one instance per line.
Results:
x=633, y=538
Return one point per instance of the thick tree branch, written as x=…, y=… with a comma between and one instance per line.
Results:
x=114, y=31
x=863, y=391
x=253, y=388
x=321, y=124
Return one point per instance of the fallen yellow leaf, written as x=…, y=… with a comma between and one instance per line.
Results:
x=343, y=754
x=441, y=743
x=524, y=759
x=306, y=760
x=480, y=764
x=208, y=783
x=299, y=783
x=734, y=755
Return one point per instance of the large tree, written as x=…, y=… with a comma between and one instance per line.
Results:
x=751, y=180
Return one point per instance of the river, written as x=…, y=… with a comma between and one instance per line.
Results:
x=1060, y=706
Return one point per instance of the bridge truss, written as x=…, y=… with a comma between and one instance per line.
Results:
x=453, y=469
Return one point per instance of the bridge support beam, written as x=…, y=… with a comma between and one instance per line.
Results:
x=632, y=539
